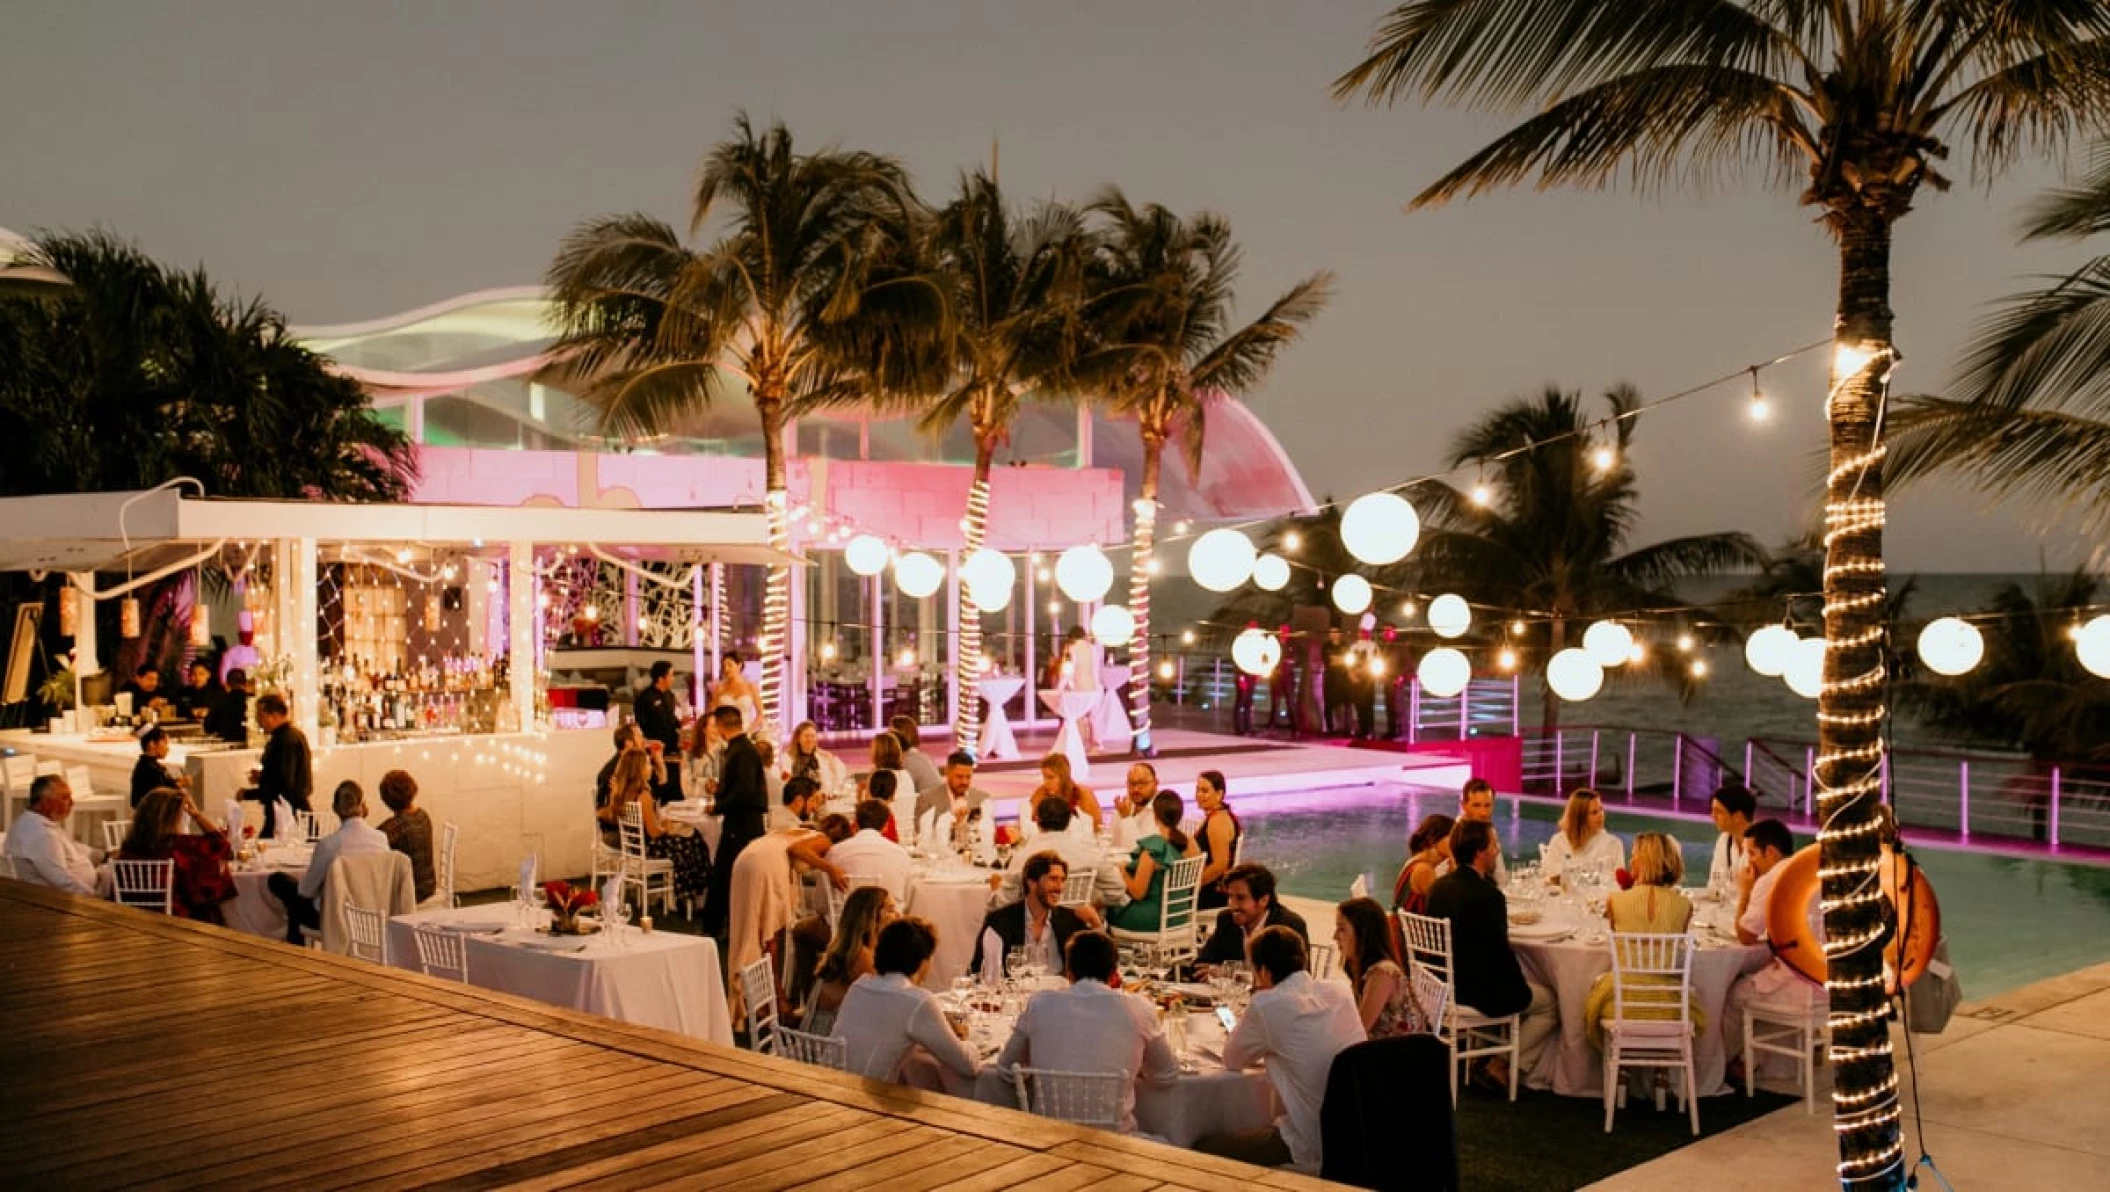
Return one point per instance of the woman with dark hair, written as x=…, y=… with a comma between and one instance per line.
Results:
x=1428, y=850
x=201, y=880
x=1219, y=836
x=1056, y=782
x=1362, y=932
x=1144, y=875
x=691, y=856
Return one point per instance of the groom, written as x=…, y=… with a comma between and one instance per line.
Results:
x=743, y=801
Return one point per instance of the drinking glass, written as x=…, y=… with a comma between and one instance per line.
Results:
x=1015, y=962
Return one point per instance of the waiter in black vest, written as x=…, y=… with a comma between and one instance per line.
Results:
x=656, y=718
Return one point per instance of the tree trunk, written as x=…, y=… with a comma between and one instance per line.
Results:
x=776, y=595
x=1850, y=712
x=1139, y=594
x=967, y=722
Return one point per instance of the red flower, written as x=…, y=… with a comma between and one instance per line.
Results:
x=566, y=899
x=1005, y=834
x=1625, y=879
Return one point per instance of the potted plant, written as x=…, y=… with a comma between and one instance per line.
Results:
x=58, y=691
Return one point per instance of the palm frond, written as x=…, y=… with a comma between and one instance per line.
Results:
x=2047, y=347
x=1237, y=363
x=2076, y=211
x=1658, y=564
x=2058, y=460
x=1689, y=125
x=2040, y=102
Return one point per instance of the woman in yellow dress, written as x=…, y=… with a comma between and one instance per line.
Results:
x=1652, y=906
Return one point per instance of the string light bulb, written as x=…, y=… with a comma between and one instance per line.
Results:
x=1482, y=495
x=1759, y=409
x=1506, y=659
x=1698, y=669
x=1602, y=458
x=1292, y=541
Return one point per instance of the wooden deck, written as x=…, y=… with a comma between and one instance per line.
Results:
x=144, y=1050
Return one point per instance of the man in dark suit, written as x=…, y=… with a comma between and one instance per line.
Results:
x=743, y=801
x=653, y=709
x=1037, y=922
x=1249, y=906
x=286, y=771
x=1484, y=969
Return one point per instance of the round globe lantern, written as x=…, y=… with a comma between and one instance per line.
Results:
x=1380, y=528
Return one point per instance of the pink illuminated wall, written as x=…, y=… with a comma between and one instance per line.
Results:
x=909, y=503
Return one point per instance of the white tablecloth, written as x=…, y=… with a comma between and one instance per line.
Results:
x=690, y=812
x=665, y=980
x=1573, y=1068
x=954, y=900
x=254, y=908
x=1205, y=1101
x=998, y=741
x=1072, y=706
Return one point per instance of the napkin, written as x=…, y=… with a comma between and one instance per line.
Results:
x=927, y=829
x=992, y=957
x=1360, y=887
x=234, y=822
x=985, y=840
x=527, y=878
x=288, y=827
x=611, y=898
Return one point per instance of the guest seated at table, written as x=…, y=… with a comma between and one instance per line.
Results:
x=799, y=803
x=1092, y=1026
x=879, y=788
x=1144, y=875
x=1652, y=906
x=764, y=892
x=848, y=957
x=1038, y=922
x=200, y=879
x=804, y=758
x=1384, y=997
x=353, y=836
x=706, y=756
x=627, y=737
x=772, y=782
x=1219, y=835
x=1056, y=783
x=1295, y=1025
x=1249, y=906
x=1428, y=857
x=888, y=1017
x=1583, y=843
x=229, y=718
x=42, y=849
x=1476, y=802
x=955, y=792
x=150, y=772
x=1486, y=974
x=1132, y=805
x=664, y=841
x=886, y=758
x=1733, y=808
x=870, y=854
x=1084, y=859
x=197, y=697
x=922, y=771
x=409, y=830
x=1767, y=847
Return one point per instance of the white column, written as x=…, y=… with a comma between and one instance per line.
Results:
x=1032, y=638
x=283, y=582
x=523, y=630
x=630, y=608
x=795, y=640
x=85, y=662
x=297, y=635
x=697, y=630
x=717, y=636
x=952, y=640
x=879, y=658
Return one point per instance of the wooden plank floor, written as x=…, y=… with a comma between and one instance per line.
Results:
x=140, y=1050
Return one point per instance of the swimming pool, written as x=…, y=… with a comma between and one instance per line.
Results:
x=2008, y=921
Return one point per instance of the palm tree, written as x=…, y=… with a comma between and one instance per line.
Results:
x=2031, y=414
x=1551, y=534
x=1855, y=97
x=808, y=296
x=1160, y=315
x=1011, y=285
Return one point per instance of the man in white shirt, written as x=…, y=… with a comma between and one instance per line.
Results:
x=1082, y=858
x=957, y=792
x=1094, y=1027
x=1732, y=808
x=41, y=848
x=1767, y=847
x=353, y=836
x=870, y=854
x=892, y=1027
x=1295, y=1025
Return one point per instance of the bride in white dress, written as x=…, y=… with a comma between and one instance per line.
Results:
x=732, y=690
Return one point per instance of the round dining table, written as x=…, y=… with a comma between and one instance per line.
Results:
x=953, y=896
x=1567, y=950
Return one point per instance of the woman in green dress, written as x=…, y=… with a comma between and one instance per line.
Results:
x=1652, y=906
x=1152, y=860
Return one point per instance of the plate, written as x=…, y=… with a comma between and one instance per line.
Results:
x=1525, y=917
x=1544, y=931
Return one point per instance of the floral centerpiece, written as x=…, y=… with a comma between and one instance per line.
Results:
x=566, y=902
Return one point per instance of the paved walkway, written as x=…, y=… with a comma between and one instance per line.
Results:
x=2012, y=1096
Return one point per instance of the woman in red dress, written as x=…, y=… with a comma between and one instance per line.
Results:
x=202, y=880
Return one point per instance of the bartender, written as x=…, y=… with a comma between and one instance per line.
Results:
x=145, y=690
x=196, y=699
x=229, y=718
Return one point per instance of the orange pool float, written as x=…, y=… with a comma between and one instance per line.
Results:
x=1907, y=951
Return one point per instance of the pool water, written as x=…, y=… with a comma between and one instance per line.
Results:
x=2008, y=921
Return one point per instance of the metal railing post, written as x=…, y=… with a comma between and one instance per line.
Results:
x=1633, y=755
x=1591, y=781
x=1963, y=807
x=1465, y=711
x=1414, y=712
x=1809, y=785
x=1560, y=766
x=1886, y=779
x=1677, y=766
